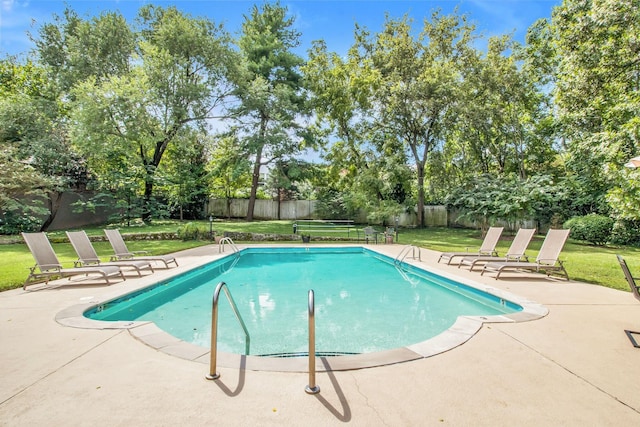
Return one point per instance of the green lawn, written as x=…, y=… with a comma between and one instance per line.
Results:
x=584, y=262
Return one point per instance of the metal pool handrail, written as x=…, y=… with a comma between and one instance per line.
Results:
x=312, y=388
x=213, y=375
x=227, y=240
x=405, y=251
x=405, y=276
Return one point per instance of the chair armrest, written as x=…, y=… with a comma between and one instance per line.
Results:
x=549, y=261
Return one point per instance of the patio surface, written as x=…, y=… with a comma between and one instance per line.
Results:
x=575, y=366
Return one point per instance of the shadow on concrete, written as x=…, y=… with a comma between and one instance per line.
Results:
x=241, y=380
x=344, y=413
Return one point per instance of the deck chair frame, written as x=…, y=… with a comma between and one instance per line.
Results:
x=121, y=252
x=547, y=260
x=488, y=246
x=635, y=289
x=87, y=255
x=48, y=265
x=516, y=251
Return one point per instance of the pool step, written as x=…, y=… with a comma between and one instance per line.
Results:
x=306, y=354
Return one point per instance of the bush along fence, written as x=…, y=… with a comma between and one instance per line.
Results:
x=125, y=236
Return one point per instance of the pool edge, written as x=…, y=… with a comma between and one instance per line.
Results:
x=460, y=332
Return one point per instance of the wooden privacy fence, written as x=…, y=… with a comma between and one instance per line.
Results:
x=294, y=210
x=435, y=216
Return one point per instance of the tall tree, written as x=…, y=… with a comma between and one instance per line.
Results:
x=33, y=131
x=74, y=49
x=343, y=91
x=342, y=94
x=419, y=83
x=128, y=121
x=185, y=178
x=499, y=109
x=597, y=90
x=271, y=97
x=229, y=169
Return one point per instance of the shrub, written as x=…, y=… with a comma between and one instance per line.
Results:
x=626, y=233
x=193, y=231
x=16, y=223
x=593, y=228
x=331, y=204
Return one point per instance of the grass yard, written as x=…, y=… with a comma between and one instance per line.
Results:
x=591, y=264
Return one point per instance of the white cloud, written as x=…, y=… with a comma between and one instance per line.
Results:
x=7, y=5
x=497, y=17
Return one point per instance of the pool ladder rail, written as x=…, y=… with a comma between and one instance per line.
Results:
x=227, y=241
x=405, y=276
x=213, y=375
x=405, y=252
x=311, y=388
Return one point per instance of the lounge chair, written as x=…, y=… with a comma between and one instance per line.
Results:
x=547, y=259
x=87, y=255
x=488, y=246
x=122, y=253
x=516, y=251
x=48, y=265
x=630, y=279
x=635, y=289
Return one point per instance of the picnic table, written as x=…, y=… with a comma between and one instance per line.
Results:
x=309, y=226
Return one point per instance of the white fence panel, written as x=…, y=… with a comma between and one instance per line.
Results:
x=435, y=216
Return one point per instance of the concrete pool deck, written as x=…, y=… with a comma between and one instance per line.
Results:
x=574, y=366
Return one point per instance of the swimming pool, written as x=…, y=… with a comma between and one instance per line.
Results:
x=365, y=302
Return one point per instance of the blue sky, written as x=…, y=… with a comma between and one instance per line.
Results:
x=330, y=20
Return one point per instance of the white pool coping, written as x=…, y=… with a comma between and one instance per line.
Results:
x=460, y=332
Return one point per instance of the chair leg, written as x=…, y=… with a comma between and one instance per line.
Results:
x=630, y=335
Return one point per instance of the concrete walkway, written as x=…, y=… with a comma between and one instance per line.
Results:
x=574, y=366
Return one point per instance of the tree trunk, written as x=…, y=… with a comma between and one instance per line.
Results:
x=54, y=199
x=280, y=197
x=255, y=179
x=420, y=212
x=146, y=201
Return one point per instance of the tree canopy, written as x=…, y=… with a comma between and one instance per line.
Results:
x=160, y=113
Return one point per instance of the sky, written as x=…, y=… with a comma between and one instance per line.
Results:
x=330, y=20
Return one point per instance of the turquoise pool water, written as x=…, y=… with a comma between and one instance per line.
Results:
x=363, y=302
